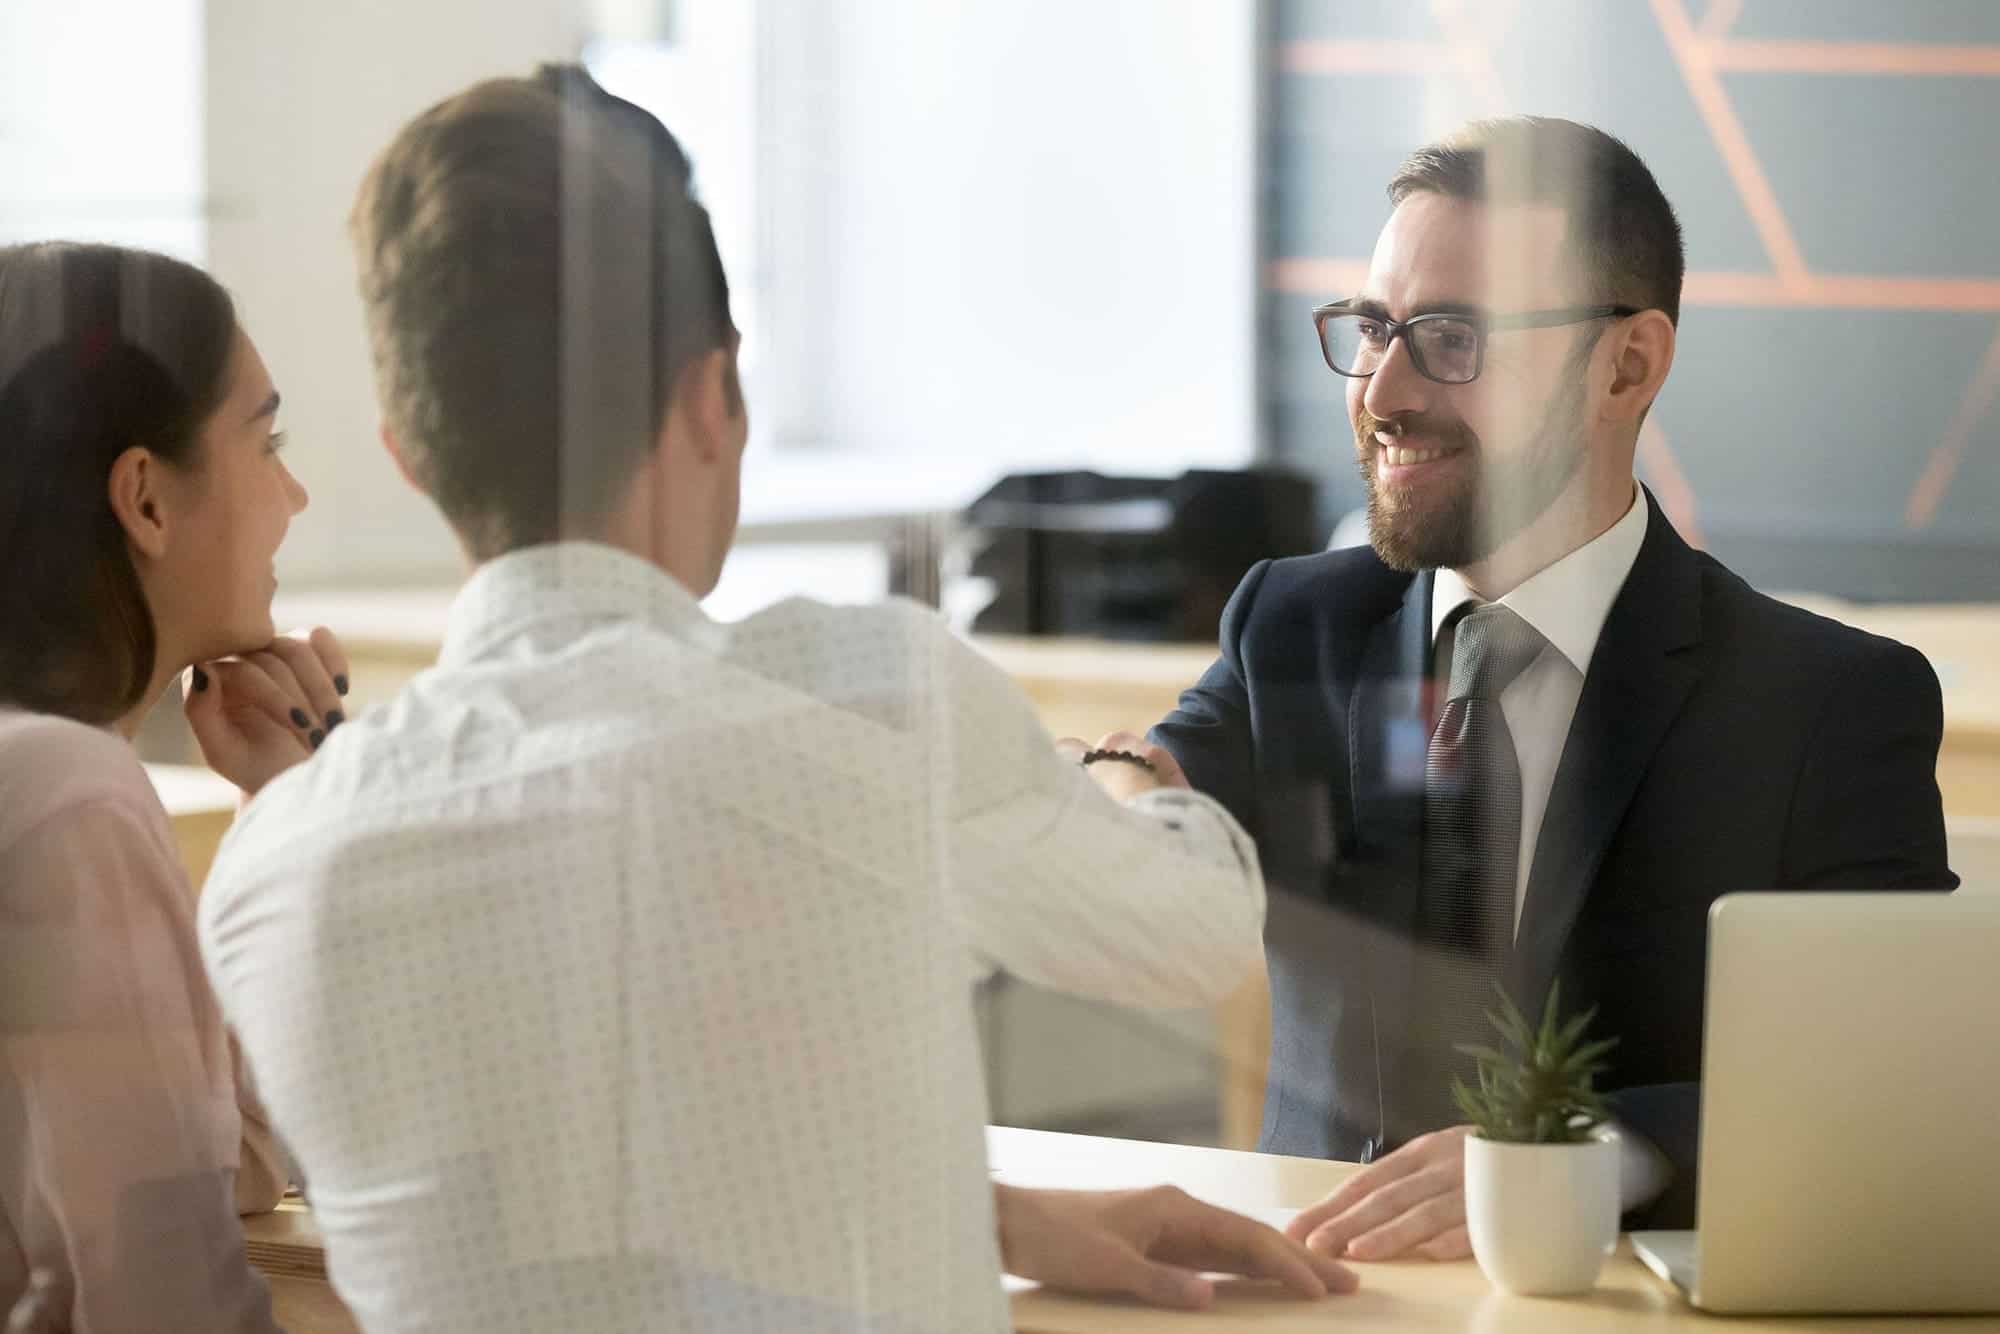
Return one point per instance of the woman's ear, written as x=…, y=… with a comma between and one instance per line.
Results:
x=135, y=494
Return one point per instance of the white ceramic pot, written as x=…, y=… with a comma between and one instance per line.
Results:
x=1542, y=1217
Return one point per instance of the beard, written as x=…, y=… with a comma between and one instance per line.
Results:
x=1413, y=531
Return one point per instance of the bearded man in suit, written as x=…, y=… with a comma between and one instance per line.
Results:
x=1527, y=734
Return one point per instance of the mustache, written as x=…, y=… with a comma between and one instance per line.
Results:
x=1366, y=424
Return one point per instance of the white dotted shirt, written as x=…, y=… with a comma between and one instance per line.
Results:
x=615, y=976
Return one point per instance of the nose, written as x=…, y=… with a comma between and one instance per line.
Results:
x=1395, y=388
x=295, y=491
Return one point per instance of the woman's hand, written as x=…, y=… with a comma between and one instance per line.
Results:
x=257, y=714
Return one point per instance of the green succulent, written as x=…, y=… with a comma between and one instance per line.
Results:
x=1541, y=1088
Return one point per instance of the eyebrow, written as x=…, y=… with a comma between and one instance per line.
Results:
x=1365, y=305
x=269, y=408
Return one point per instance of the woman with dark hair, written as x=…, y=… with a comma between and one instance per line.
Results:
x=142, y=498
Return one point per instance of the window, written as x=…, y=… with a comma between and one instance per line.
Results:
x=972, y=248
x=102, y=140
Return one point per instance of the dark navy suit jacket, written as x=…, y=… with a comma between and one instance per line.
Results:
x=1723, y=741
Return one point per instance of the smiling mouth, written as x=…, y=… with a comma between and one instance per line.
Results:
x=1398, y=455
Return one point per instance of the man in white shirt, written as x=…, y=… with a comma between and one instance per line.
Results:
x=616, y=975
x=1528, y=734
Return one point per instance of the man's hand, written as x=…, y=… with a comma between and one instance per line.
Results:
x=1151, y=1244
x=257, y=714
x=1121, y=778
x=1409, y=1204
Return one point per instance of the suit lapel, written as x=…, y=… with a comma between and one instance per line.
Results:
x=1390, y=710
x=1640, y=676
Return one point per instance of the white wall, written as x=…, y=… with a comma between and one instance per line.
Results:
x=1015, y=230
x=100, y=122
x=301, y=96
x=988, y=235
x=697, y=71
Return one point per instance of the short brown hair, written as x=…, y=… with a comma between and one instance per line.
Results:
x=101, y=349
x=537, y=274
x=1621, y=226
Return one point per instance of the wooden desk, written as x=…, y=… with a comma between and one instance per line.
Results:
x=200, y=806
x=1413, y=1296
x=1399, y=1297
x=309, y=1306
x=1087, y=687
x=285, y=1247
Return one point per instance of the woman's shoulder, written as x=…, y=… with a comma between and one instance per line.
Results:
x=49, y=763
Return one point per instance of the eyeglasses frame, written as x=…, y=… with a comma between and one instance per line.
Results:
x=1482, y=325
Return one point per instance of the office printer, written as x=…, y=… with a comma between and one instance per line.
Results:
x=1079, y=553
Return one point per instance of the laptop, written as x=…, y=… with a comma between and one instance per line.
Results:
x=1850, y=1119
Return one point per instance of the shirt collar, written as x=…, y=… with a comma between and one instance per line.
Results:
x=1567, y=602
x=581, y=582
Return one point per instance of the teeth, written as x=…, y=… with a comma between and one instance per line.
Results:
x=1401, y=456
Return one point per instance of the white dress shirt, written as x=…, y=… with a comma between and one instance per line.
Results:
x=616, y=975
x=1567, y=603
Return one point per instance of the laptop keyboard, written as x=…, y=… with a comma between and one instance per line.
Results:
x=1668, y=1254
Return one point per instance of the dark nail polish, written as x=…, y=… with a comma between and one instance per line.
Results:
x=340, y=685
x=315, y=736
x=200, y=679
x=299, y=718
x=335, y=719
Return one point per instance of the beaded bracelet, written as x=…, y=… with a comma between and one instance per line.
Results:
x=1093, y=756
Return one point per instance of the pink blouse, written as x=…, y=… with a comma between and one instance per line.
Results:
x=127, y=1143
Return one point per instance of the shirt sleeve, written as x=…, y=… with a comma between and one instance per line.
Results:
x=263, y=1170
x=1209, y=731
x=118, y=1121
x=1643, y=1171
x=1157, y=902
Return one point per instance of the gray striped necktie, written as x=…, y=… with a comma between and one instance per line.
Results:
x=1471, y=856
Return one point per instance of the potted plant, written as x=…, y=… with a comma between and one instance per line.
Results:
x=1541, y=1181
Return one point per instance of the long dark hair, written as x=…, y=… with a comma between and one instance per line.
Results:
x=101, y=348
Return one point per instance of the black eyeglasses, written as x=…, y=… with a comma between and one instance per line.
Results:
x=1447, y=347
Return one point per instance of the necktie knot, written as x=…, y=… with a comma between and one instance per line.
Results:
x=1491, y=647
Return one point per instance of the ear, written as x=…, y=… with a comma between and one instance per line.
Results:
x=1641, y=355
x=395, y=448
x=135, y=495
x=711, y=403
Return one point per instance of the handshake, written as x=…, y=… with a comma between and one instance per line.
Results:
x=1124, y=764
